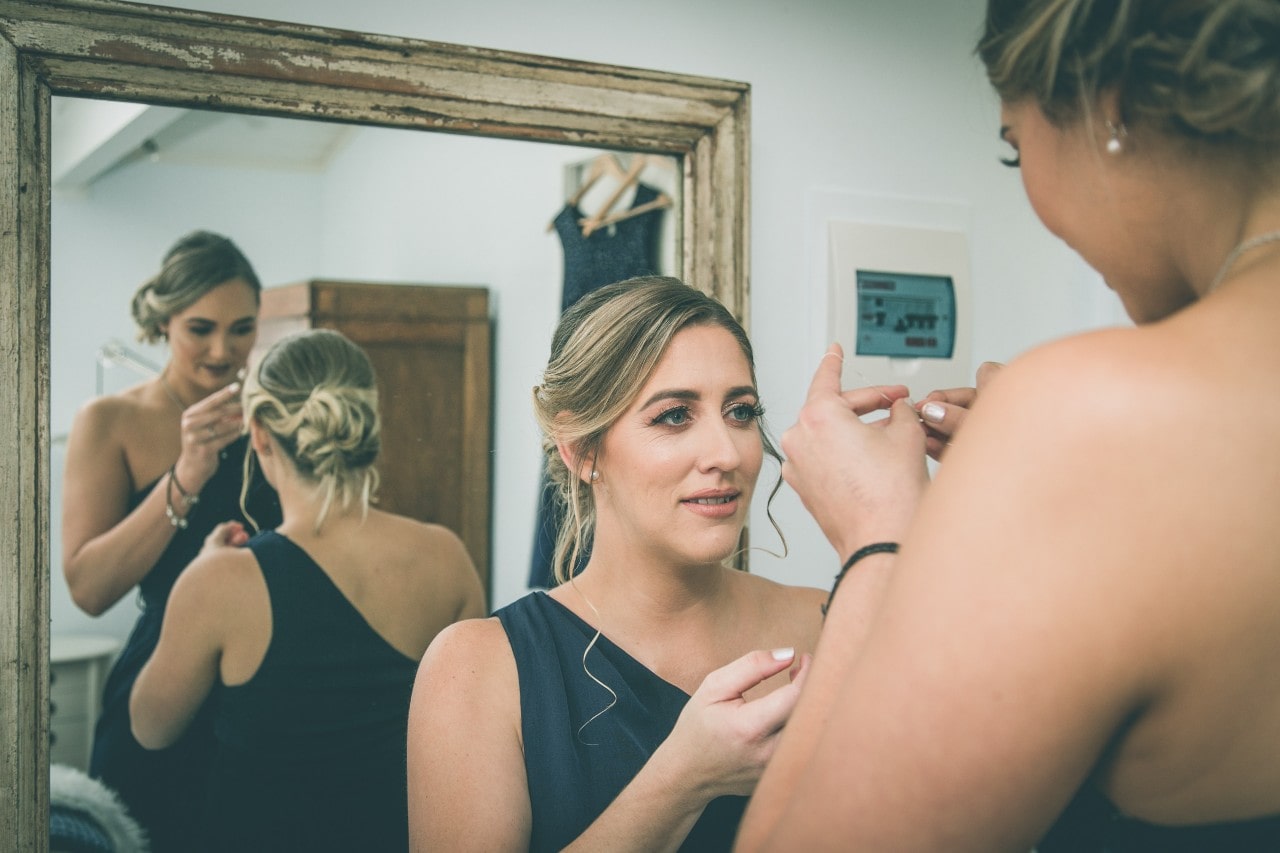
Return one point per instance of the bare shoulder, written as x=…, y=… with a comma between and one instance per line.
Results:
x=793, y=612
x=471, y=661
x=222, y=576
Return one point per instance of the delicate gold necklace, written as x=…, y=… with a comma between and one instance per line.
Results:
x=173, y=395
x=1251, y=243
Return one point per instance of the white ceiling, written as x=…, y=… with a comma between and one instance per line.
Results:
x=93, y=138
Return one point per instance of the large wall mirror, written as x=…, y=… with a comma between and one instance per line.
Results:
x=59, y=52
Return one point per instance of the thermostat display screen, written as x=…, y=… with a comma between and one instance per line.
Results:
x=906, y=316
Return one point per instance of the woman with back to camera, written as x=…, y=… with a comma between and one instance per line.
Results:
x=1078, y=645
x=631, y=707
x=313, y=631
x=149, y=473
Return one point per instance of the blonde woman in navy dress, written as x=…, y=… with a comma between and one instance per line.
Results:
x=633, y=706
x=311, y=633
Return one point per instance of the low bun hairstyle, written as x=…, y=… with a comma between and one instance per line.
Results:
x=316, y=394
x=1207, y=70
x=603, y=351
x=196, y=264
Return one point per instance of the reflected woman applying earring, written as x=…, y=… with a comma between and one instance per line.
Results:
x=149, y=473
x=311, y=633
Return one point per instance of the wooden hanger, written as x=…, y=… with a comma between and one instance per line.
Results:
x=604, y=164
x=590, y=226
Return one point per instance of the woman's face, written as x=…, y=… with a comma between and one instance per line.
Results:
x=210, y=341
x=1110, y=208
x=677, y=470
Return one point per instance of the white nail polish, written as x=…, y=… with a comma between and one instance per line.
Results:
x=234, y=387
x=783, y=654
x=933, y=412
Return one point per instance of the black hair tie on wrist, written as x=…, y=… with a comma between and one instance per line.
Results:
x=864, y=551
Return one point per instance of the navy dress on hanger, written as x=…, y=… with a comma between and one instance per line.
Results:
x=615, y=252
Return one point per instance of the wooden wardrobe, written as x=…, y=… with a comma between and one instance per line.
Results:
x=430, y=346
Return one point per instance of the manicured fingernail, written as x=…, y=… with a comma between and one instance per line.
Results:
x=783, y=654
x=933, y=412
x=234, y=387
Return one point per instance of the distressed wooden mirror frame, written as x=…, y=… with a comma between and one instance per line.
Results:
x=122, y=51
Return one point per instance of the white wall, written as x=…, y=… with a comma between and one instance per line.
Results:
x=876, y=104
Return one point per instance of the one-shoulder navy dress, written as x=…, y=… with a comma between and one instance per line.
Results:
x=575, y=772
x=164, y=789
x=311, y=749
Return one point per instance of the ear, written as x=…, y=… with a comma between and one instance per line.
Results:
x=1109, y=106
x=260, y=440
x=568, y=454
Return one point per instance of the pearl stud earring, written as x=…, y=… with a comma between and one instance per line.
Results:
x=1116, y=143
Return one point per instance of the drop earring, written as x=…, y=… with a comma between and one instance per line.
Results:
x=1118, y=133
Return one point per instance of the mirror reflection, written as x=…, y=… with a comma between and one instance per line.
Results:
x=343, y=214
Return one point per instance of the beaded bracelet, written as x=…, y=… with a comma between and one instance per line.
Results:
x=188, y=500
x=864, y=551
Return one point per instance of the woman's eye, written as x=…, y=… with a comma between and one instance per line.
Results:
x=679, y=416
x=1014, y=162
x=199, y=331
x=746, y=412
x=244, y=330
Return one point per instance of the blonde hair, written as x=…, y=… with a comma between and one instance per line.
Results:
x=1200, y=70
x=196, y=264
x=602, y=353
x=316, y=394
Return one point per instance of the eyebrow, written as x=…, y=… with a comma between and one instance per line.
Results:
x=686, y=394
x=248, y=318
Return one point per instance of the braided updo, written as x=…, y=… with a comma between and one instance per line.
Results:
x=316, y=394
x=1204, y=70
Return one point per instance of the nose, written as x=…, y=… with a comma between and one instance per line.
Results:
x=219, y=348
x=719, y=450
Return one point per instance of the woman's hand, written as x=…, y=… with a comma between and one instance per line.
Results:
x=943, y=412
x=207, y=427
x=724, y=739
x=228, y=534
x=860, y=481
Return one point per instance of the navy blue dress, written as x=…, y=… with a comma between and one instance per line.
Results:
x=164, y=789
x=1091, y=824
x=621, y=251
x=574, y=773
x=311, y=749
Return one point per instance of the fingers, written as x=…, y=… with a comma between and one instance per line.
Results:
x=873, y=398
x=987, y=371
x=226, y=533
x=216, y=420
x=733, y=679
x=826, y=379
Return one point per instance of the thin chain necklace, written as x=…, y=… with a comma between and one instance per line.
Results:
x=1251, y=243
x=173, y=395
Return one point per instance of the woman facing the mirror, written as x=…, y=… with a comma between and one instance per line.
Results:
x=149, y=473
x=314, y=630
x=634, y=706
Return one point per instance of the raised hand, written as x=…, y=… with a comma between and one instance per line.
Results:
x=860, y=481
x=943, y=412
x=207, y=427
x=724, y=739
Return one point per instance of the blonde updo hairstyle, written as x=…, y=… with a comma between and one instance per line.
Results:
x=1202, y=71
x=196, y=264
x=603, y=351
x=316, y=394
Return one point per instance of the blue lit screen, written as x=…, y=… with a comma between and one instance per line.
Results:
x=906, y=316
